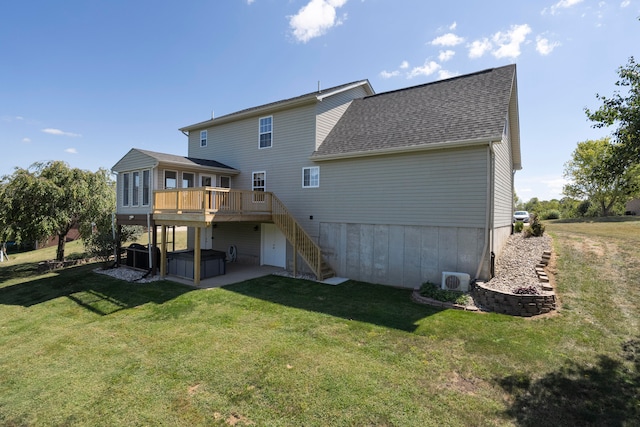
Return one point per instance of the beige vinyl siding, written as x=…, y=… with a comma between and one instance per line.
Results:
x=134, y=160
x=503, y=182
x=236, y=145
x=331, y=109
x=434, y=188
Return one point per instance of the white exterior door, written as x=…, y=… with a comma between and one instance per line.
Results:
x=274, y=246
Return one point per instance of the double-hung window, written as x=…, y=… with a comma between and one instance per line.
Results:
x=203, y=138
x=135, y=200
x=125, y=189
x=265, y=138
x=170, y=179
x=146, y=187
x=188, y=180
x=259, y=183
x=311, y=177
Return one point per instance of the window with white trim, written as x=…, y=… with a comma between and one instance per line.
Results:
x=265, y=135
x=135, y=199
x=146, y=187
x=225, y=181
x=125, y=189
x=170, y=179
x=259, y=183
x=188, y=180
x=203, y=138
x=311, y=177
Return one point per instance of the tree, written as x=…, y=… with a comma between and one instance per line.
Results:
x=590, y=182
x=50, y=198
x=623, y=111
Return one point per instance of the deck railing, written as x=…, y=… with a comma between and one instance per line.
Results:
x=224, y=201
x=211, y=200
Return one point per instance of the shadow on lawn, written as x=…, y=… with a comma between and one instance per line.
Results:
x=364, y=302
x=96, y=292
x=607, y=394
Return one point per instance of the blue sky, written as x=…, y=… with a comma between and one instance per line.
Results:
x=84, y=81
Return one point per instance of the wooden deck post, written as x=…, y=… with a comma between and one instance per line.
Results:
x=163, y=251
x=196, y=258
x=295, y=253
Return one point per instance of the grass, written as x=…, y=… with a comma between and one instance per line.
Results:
x=80, y=348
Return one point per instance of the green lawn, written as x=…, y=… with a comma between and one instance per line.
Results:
x=78, y=348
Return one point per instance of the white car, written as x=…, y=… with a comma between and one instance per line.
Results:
x=522, y=216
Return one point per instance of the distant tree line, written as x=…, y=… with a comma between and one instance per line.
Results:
x=603, y=174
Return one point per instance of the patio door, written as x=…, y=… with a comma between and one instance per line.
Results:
x=274, y=246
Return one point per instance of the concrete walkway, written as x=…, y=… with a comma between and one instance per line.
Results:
x=234, y=273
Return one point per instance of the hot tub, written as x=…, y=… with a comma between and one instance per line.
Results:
x=180, y=263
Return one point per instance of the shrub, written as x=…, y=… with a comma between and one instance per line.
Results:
x=102, y=244
x=433, y=291
x=536, y=228
x=518, y=226
x=551, y=214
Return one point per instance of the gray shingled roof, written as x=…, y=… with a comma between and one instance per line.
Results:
x=186, y=161
x=470, y=107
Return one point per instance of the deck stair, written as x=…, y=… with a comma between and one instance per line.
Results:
x=302, y=243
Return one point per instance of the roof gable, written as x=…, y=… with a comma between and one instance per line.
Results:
x=154, y=159
x=311, y=97
x=469, y=108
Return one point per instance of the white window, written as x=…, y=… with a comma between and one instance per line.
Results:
x=146, y=187
x=188, y=179
x=203, y=138
x=259, y=183
x=265, y=138
x=125, y=189
x=311, y=177
x=135, y=200
x=170, y=179
x=207, y=181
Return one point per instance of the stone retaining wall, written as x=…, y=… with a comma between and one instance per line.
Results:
x=519, y=304
x=514, y=304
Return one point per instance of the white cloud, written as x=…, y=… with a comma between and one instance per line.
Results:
x=445, y=55
x=453, y=26
x=59, y=132
x=388, y=74
x=71, y=151
x=250, y=1
x=404, y=65
x=427, y=69
x=445, y=74
x=625, y=3
x=26, y=140
x=509, y=42
x=479, y=48
x=448, y=39
x=562, y=4
x=315, y=19
x=544, y=46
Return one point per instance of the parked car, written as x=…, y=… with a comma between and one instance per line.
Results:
x=522, y=216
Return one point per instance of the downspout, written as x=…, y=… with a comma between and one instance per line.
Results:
x=489, y=209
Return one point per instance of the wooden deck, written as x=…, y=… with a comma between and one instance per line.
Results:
x=204, y=205
x=200, y=207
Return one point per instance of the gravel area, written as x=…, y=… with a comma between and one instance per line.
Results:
x=516, y=265
x=127, y=274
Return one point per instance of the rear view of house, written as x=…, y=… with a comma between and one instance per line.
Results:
x=391, y=188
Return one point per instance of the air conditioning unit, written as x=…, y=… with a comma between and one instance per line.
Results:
x=455, y=281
